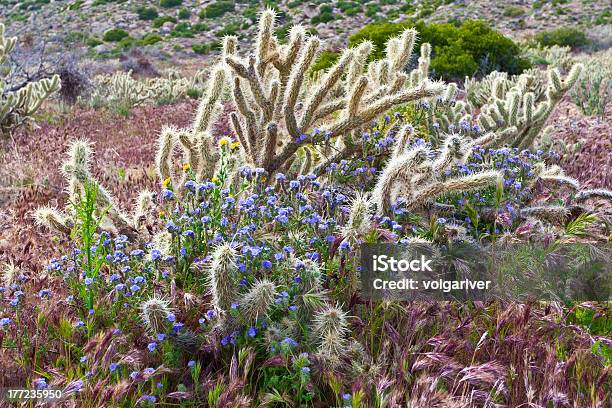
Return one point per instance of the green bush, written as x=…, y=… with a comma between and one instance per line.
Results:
x=127, y=42
x=326, y=14
x=93, y=42
x=159, y=21
x=184, y=13
x=564, y=37
x=182, y=29
x=216, y=9
x=325, y=60
x=349, y=8
x=203, y=49
x=473, y=48
x=115, y=35
x=147, y=13
x=151, y=39
x=170, y=3
x=228, y=29
x=513, y=11
x=199, y=27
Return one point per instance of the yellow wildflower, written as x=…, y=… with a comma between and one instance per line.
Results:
x=234, y=145
x=215, y=179
x=186, y=167
x=223, y=141
x=162, y=213
x=166, y=182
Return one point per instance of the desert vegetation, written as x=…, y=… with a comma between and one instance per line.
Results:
x=191, y=235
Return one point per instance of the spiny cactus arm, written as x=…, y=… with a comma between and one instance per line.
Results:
x=244, y=141
x=165, y=147
x=562, y=180
x=554, y=214
x=268, y=146
x=254, y=82
x=595, y=193
x=249, y=116
x=399, y=58
x=143, y=203
x=190, y=152
x=355, y=97
x=459, y=184
x=53, y=219
x=452, y=149
x=38, y=93
x=221, y=279
x=257, y=301
x=329, y=81
x=402, y=140
x=398, y=170
x=425, y=90
x=297, y=77
x=6, y=44
x=263, y=42
x=208, y=104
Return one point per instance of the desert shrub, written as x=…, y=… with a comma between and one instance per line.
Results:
x=326, y=14
x=184, y=13
x=199, y=27
x=151, y=38
x=159, y=21
x=170, y=3
x=513, y=11
x=203, y=49
x=324, y=60
x=563, y=37
x=182, y=29
x=372, y=9
x=75, y=37
x=228, y=29
x=472, y=48
x=115, y=35
x=93, y=42
x=147, y=13
x=216, y=9
x=593, y=91
x=349, y=8
x=75, y=80
x=604, y=18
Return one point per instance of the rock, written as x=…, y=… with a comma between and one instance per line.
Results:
x=311, y=10
x=102, y=48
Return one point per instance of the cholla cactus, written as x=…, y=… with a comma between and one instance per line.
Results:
x=53, y=219
x=554, y=214
x=154, y=313
x=330, y=327
x=120, y=89
x=359, y=221
x=198, y=144
x=77, y=172
x=221, y=279
x=9, y=273
x=257, y=301
x=18, y=106
x=277, y=107
x=515, y=108
x=417, y=179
